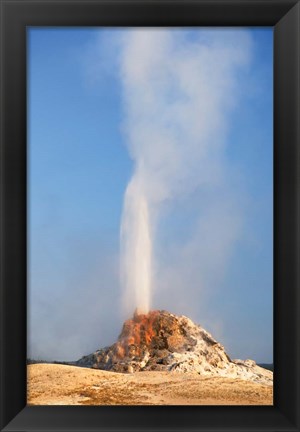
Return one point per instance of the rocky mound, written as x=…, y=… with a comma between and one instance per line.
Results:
x=161, y=341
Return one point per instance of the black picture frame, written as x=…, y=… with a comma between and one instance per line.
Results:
x=284, y=16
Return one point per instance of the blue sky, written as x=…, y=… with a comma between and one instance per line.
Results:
x=79, y=166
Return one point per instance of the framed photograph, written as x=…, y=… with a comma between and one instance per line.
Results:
x=149, y=237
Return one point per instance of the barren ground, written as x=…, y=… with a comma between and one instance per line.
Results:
x=52, y=384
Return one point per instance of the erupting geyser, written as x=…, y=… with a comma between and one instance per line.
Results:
x=136, y=246
x=176, y=111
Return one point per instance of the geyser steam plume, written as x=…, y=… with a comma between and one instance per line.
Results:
x=137, y=244
x=179, y=88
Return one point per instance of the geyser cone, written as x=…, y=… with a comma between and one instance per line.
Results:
x=161, y=341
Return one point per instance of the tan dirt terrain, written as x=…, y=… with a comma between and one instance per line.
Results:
x=54, y=384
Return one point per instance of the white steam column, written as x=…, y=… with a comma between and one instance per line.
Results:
x=179, y=89
x=136, y=247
